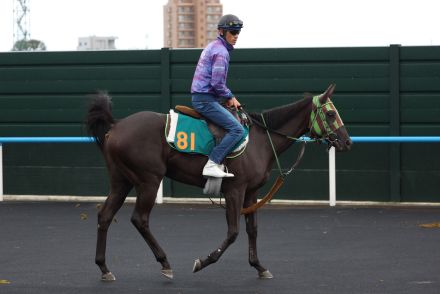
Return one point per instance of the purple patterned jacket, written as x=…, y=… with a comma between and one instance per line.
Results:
x=212, y=70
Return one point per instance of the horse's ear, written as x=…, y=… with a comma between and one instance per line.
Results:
x=328, y=93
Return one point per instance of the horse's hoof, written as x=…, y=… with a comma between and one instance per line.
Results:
x=168, y=273
x=265, y=275
x=108, y=277
x=197, y=265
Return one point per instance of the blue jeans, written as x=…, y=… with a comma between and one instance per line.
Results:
x=211, y=109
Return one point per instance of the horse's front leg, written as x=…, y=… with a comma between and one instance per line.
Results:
x=252, y=231
x=234, y=202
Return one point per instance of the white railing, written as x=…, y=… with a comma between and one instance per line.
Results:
x=3, y=140
x=159, y=199
x=371, y=139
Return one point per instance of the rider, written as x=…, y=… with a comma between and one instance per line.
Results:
x=209, y=91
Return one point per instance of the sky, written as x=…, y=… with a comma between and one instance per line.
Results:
x=138, y=24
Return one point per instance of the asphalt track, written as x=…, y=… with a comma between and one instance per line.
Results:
x=50, y=247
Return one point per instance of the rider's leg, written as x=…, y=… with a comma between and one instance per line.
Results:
x=220, y=116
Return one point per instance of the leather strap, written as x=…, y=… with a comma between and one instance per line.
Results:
x=276, y=186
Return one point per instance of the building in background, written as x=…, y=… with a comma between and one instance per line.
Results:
x=191, y=23
x=96, y=43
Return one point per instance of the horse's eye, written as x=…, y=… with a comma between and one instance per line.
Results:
x=331, y=113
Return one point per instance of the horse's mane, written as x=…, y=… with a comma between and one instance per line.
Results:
x=276, y=117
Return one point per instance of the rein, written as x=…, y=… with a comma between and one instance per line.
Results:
x=301, y=153
x=317, y=127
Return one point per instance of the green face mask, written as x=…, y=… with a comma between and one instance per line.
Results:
x=319, y=122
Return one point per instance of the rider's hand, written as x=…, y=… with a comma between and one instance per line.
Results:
x=233, y=102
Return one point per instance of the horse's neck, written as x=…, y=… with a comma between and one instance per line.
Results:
x=293, y=121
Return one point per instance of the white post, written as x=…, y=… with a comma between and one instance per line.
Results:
x=159, y=197
x=332, y=175
x=1, y=172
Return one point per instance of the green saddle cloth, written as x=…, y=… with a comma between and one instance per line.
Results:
x=190, y=135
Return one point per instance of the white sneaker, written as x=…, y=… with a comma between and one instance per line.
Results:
x=215, y=170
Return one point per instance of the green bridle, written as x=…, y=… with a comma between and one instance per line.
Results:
x=319, y=127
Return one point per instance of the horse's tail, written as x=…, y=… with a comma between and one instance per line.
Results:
x=99, y=117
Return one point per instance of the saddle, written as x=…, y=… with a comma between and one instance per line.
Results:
x=217, y=132
x=190, y=132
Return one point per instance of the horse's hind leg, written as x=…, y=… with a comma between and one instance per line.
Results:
x=119, y=190
x=251, y=229
x=146, y=197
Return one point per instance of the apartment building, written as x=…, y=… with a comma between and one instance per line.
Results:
x=96, y=43
x=191, y=23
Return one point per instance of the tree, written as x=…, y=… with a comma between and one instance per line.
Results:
x=29, y=45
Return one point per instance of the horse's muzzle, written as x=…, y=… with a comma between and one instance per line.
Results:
x=341, y=145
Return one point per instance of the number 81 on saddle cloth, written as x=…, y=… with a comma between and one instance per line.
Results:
x=191, y=135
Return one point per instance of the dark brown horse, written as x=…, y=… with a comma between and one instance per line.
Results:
x=137, y=155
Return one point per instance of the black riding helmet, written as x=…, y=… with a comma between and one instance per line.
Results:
x=230, y=22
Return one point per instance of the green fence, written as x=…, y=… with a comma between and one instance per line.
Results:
x=380, y=91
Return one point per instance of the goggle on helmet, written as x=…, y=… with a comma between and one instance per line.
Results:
x=230, y=22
